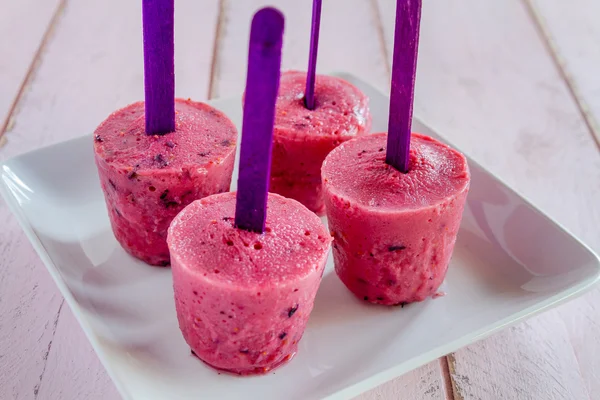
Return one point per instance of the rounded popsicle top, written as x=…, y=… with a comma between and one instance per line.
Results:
x=356, y=171
x=203, y=238
x=203, y=135
x=341, y=109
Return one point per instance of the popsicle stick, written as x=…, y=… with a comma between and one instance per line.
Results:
x=404, y=67
x=309, y=100
x=159, y=65
x=262, y=85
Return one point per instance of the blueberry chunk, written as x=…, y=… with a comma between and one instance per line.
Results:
x=292, y=311
x=396, y=248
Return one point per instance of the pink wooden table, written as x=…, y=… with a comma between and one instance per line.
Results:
x=514, y=82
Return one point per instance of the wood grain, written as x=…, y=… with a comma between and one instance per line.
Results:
x=17, y=61
x=73, y=371
x=486, y=76
x=572, y=31
x=87, y=70
x=424, y=383
x=29, y=302
x=531, y=361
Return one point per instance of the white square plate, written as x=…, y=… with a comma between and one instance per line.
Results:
x=509, y=263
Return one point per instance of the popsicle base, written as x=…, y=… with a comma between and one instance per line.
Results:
x=249, y=372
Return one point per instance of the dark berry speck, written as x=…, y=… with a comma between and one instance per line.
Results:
x=170, y=204
x=244, y=351
x=366, y=298
x=170, y=144
x=282, y=335
x=300, y=125
x=204, y=153
x=226, y=143
x=112, y=184
x=98, y=139
x=381, y=149
x=396, y=248
x=164, y=194
x=160, y=160
x=292, y=310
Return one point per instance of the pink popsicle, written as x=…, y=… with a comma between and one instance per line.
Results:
x=148, y=179
x=243, y=298
x=394, y=232
x=302, y=138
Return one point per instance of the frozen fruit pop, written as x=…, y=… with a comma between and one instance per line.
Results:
x=314, y=115
x=394, y=232
x=396, y=216
x=302, y=137
x=245, y=280
x=148, y=179
x=243, y=298
x=156, y=157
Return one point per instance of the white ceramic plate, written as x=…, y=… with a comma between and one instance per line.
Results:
x=509, y=263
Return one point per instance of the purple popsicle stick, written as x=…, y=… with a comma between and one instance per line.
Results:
x=404, y=66
x=262, y=85
x=159, y=66
x=309, y=99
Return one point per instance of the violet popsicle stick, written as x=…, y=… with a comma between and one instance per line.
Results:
x=309, y=99
x=404, y=67
x=159, y=66
x=262, y=85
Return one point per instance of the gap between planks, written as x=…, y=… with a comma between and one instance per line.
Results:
x=8, y=122
x=553, y=50
x=214, y=65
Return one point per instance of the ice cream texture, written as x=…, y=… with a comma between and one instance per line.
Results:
x=302, y=138
x=148, y=179
x=243, y=298
x=394, y=233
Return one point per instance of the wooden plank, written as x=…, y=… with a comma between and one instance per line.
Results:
x=424, y=383
x=91, y=66
x=349, y=41
x=17, y=61
x=573, y=35
x=496, y=92
x=73, y=371
x=572, y=31
x=533, y=360
x=29, y=303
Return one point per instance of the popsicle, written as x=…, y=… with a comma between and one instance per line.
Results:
x=156, y=157
x=396, y=216
x=247, y=265
x=243, y=298
x=394, y=232
x=315, y=113
x=302, y=138
x=148, y=179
